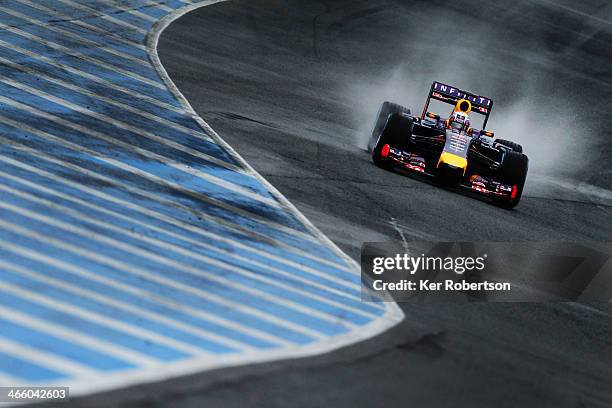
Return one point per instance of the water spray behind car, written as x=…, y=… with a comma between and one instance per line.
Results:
x=531, y=108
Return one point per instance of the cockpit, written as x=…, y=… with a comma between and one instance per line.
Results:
x=458, y=122
x=456, y=125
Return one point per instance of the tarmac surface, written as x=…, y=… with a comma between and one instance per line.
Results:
x=294, y=86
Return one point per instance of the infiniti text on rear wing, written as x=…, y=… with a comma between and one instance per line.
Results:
x=451, y=94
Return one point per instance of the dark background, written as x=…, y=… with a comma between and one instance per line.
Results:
x=294, y=87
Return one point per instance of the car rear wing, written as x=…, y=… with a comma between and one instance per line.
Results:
x=452, y=95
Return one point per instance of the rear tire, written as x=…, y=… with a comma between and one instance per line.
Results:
x=512, y=145
x=386, y=109
x=513, y=172
x=396, y=133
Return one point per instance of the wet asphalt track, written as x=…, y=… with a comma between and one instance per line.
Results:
x=281, y=82
x=289, y=85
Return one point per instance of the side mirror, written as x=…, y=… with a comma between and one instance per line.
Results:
x=432, y=115
x=487, y=133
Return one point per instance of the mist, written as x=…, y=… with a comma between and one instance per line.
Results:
x=534, y=104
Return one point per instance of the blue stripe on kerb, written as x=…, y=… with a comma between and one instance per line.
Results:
x=180, y=297
x=192, y=219
x=133, y=260
x=23, y=369
x=139, y=344
x=64, y=348
x=147, y=304
x=129, y=247
x=119, y=314
x=194, y=263
x=186, y=240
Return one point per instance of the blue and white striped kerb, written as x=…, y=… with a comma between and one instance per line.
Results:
x=134, y=245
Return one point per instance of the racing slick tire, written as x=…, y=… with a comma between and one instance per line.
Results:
x=386, y=109
x=395, y=133
x=513, y=171
x=512, y=145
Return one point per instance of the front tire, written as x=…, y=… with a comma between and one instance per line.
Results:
x=386, y=109
x=396, y=133
x=513, y=172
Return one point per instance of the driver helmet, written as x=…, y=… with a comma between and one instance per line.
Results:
x=459, y=121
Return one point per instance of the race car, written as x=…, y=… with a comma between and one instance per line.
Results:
x=449, y=148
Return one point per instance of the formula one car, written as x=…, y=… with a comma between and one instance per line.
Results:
x=450, y=149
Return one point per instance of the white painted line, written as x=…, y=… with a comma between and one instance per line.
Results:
x=82, y=56
x=104, y=16
x=7, y=379
x=152, y=41
x=93, y=28
x=129, y=10
x=126, y=307
x=160, y=6
x=212, y=275
x=74, y=37
x=77, y=337
x=101, y=320
x=161, y=372
x=154, y=297
x=393, y=314
x=39, y=357
x=165, y=247
x=145, y=274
